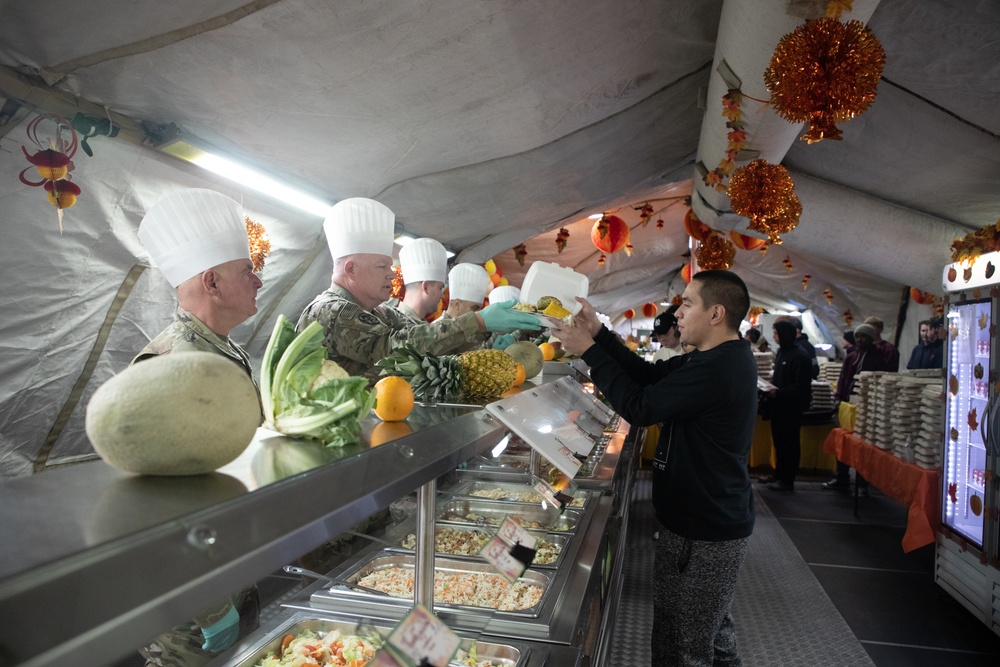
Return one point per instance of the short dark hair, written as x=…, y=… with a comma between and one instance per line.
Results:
x=923, y=322
x=725, y=288
x=937, y=322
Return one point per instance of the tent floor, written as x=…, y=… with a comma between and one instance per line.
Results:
x=819, y=587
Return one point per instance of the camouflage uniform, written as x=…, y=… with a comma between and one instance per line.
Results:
x=189, y=334
x=181, y=646
x=405, y=311
x=356, y=338
x=482, y=342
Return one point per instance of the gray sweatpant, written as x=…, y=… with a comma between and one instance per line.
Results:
x=693, y=584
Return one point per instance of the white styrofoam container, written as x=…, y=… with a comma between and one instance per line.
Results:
x=550, y=279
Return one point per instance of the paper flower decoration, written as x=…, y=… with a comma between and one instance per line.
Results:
x=649, y=309
x=629, y=314
x=848, y=317
x=829, y=296
x=805, y=281
x=659, y=223
x=628, y=249
x=787, y=261
x=823, y=73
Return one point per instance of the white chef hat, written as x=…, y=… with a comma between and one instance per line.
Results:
x=423, y=259
x=468, y=282
x=504, y=293
x=359, y=226
x=190, y=231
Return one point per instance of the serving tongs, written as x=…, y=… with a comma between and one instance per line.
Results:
x=293, y=569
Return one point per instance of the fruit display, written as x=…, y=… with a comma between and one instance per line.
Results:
x=479, y=374
x=393, y=399
x=185, y=413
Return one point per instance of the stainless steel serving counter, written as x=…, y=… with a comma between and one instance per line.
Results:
x=103, y=560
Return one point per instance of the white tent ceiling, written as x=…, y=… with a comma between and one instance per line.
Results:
x=482, y=124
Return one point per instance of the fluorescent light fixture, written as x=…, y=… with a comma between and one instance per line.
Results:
x=448, y=253
x=247, y=177
x=502, y=445
x=596, y=216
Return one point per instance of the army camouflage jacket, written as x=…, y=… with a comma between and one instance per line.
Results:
x=405, y=310
x=356, y=338
x=189, y=334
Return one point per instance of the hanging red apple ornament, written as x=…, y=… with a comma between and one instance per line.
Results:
x=609, y=235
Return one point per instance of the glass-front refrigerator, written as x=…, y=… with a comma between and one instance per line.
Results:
x=967, y=558
x=968, y=391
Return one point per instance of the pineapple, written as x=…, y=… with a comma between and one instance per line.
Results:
x=475, y=374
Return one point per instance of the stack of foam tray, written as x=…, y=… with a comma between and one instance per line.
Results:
x=829, y=372
x=862, y=396
x=886, y=395
x=929, y=439
x=906, y=415
x=765, y=364
x=822, y=397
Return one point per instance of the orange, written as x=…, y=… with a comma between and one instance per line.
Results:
x=521, y=375
x=387, y=432
x=393, y=399
x=511, y=392
x=548, y=351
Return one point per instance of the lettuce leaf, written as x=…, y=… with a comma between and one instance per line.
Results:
x=307, y=395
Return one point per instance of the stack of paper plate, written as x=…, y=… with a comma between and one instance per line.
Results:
x=886, y=394
x=765, y=364
x=830, y=372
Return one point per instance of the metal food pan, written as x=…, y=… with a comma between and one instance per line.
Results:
x=386, y=560
x=492, y=513
x=468, y=488
x=560, y=540
x=503, y=655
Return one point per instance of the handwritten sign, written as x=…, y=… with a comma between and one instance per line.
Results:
x=513, y=533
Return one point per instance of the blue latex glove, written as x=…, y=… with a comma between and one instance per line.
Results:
x=221, y=635
x=503, y=341
x=500, y=317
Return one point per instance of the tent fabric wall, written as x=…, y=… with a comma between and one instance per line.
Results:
x=59, y=286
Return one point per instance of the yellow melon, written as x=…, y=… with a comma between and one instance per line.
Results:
x=185, y=413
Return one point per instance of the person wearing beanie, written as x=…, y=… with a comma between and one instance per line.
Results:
x=360, y=328
x=666, y=334
x=424, y=265
x=884, y=347
x=862, y=357
x=802, y=340
x=198, y=240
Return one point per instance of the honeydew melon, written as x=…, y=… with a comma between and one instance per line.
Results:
x=528, y=355
x=185, y=413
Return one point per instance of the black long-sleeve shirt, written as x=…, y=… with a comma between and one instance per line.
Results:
x=793, y=378
x=707, y=402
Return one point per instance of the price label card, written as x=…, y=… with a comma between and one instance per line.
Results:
x=422, y=639
x=546, y=491
x=496, y=552
x=513, y=533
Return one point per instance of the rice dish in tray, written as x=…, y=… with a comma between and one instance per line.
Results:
x=519, y=497
x=471, y=542
x=473, y=589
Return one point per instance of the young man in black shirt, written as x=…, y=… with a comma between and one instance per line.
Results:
x=702, y=495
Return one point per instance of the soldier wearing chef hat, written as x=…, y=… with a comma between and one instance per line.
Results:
x=198, y=240
x=424, y=265
x=360, y=327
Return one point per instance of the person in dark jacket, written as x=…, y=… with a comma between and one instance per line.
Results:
x=793, y=381
x=803, y=342
x=929, y=351
x=707, y=401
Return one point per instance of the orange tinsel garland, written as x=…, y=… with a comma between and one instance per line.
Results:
x=260, y=245
x=715, y=252
x=760, y=190
x=780, y=224
x=398, y=288
x=823, y=73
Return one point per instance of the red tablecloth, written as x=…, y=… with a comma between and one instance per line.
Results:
x=917, y=488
